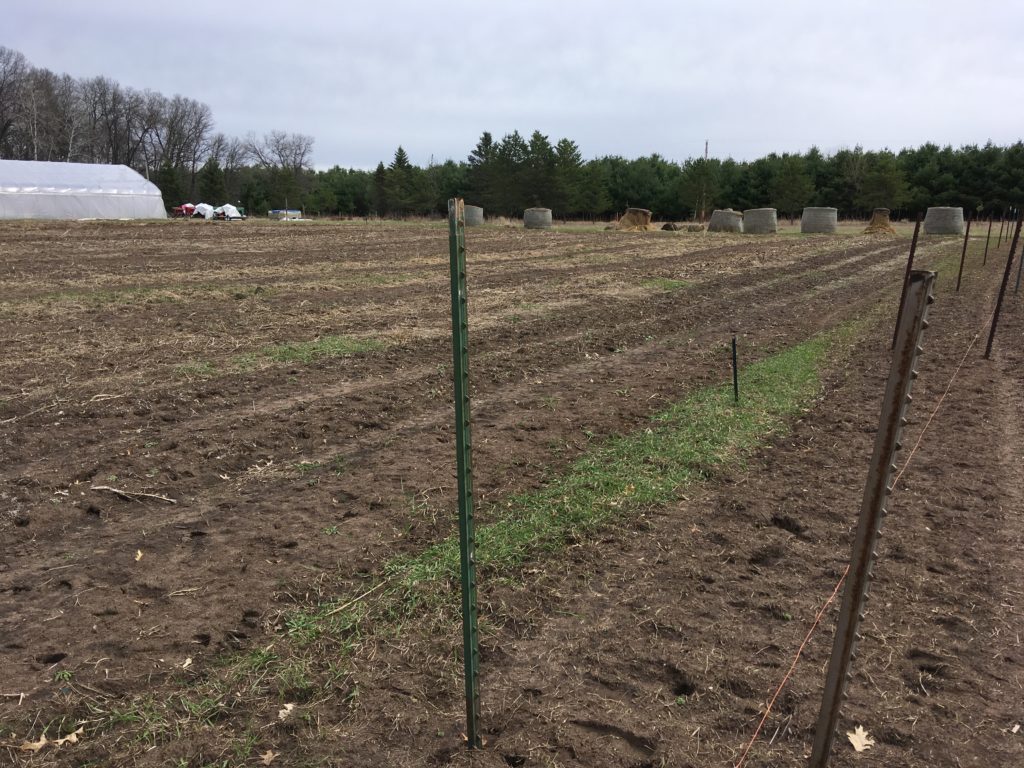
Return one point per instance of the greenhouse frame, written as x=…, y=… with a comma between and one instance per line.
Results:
x=31, y=189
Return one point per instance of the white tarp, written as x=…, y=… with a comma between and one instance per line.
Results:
x=32, y=189
x=203, y=209
x=229, y=211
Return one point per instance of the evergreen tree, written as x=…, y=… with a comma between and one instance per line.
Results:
x=509, y=188
x=791, y=187
x=539, y=172
x=481, y=172
x=697, y=187
x=567, y=179
x=379, y=196
x=883, y=185
x=210, y=183
x=171, y=183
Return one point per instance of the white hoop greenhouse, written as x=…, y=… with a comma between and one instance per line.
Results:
x=42, y=190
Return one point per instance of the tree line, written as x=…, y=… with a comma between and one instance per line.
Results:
x=173, y=142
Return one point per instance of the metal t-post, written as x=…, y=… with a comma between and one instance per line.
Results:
x=988, y=238
x=735, y=372
x=963, y=255
x=876, y=492
x=464, y=468
x=906, y=279
x=1002, y=290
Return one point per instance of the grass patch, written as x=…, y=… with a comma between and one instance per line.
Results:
x=614, y=483
x=667, y=284
x=683, y=445
x=196, y=369
x=308, y=351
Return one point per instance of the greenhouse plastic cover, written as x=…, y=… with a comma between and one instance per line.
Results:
x=41, y=190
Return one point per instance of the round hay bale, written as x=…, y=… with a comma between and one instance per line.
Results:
x=474, y=216
x=819, y=221
x=537, y=218
x=694, y=227
x=879, y=224
x=726, y=220
x=635, y=220
x=760, y=221
x=944, y=221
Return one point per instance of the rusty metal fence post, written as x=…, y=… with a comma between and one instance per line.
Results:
x=963, y=256
x=876, y=492
x=1002, y=289
x=906, y=279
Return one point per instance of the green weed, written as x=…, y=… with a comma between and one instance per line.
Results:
x=667, y=284
x=308, y=351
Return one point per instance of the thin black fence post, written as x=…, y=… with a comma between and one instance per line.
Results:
x=1002, y=290
x=988, y=237
x=1016, y=287
x=906, y=277
x=963, y=255
x=735, y=372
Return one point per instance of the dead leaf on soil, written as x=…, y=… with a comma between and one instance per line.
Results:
x=71, y=738
x=284, y=714
x=187, y=664
x=860, y=739
x=34, y=746
x=138, y=555
x=268, y=757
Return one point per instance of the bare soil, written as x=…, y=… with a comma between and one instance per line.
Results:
x=133, y=360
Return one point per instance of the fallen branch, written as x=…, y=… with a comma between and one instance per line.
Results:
x=100, y=397
x=40, y=409
x=133, y=495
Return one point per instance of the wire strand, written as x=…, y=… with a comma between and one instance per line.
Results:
x=832, y=597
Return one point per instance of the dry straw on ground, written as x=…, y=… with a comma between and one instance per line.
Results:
x=634, y=220
x=880, y=224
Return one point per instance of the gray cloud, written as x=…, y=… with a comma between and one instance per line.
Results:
x=752, y=77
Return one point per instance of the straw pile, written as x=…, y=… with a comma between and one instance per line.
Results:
x=634, y=220
x=879, y=224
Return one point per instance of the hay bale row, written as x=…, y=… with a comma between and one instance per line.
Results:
x=760, y=221
x=537, y=218
x=819, y=221
x=726, y=220
x=944, y=221
x=474, y=216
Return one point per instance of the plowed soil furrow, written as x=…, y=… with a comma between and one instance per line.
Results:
x=293, y=470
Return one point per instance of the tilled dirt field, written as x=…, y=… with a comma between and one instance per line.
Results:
x=144, y=358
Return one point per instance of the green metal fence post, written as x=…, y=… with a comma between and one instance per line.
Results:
x=464, y=468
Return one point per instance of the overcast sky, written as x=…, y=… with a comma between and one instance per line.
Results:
x=618, y=78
